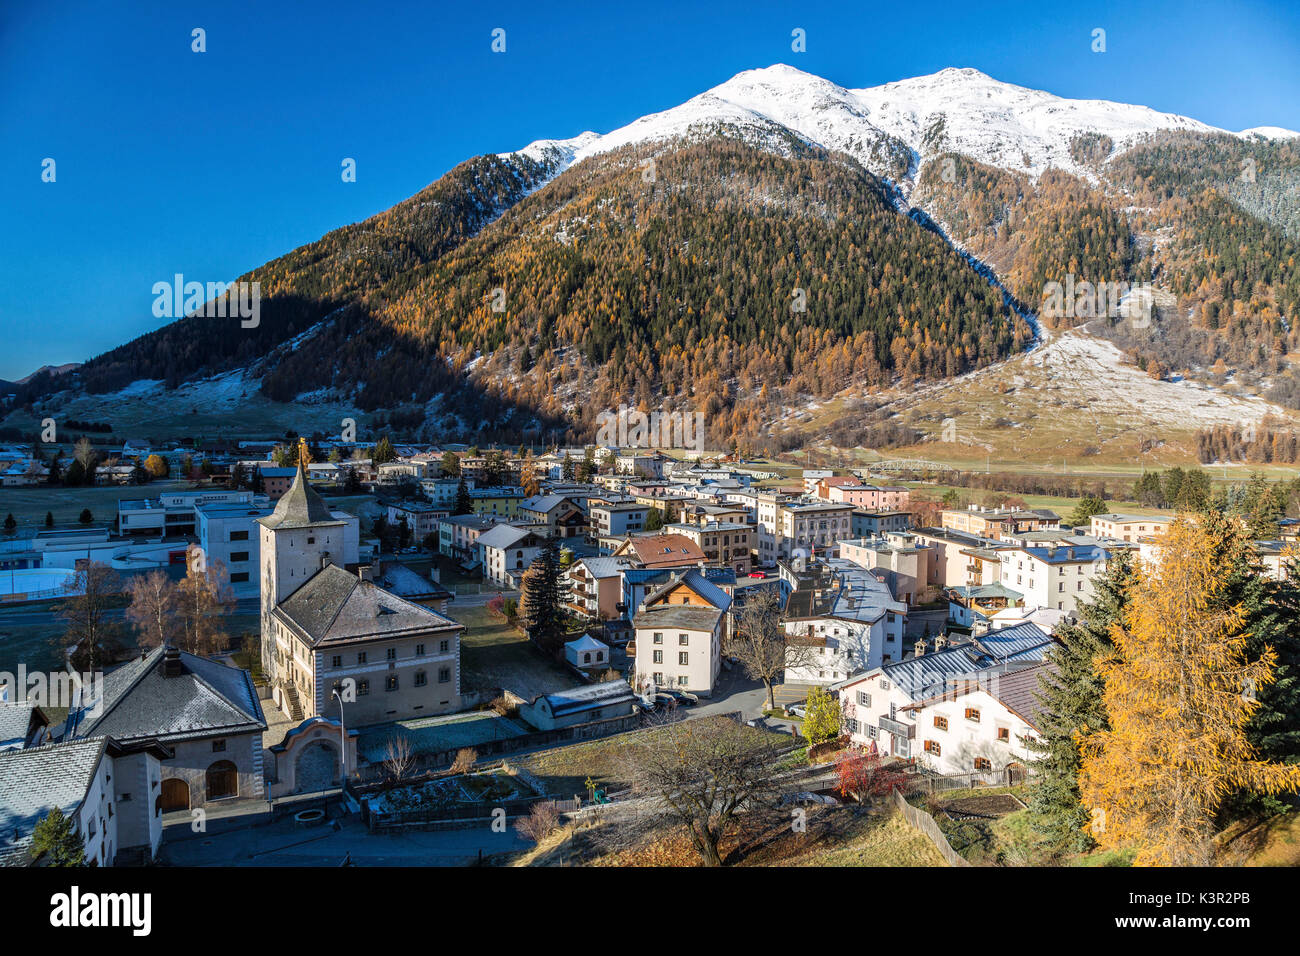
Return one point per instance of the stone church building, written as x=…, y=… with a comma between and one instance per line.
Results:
x=326, y=629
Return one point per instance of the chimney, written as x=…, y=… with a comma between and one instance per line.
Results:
x=366, y=573
x=920, y=647
x=171, y=662
x=325, y=560
x=940, y=641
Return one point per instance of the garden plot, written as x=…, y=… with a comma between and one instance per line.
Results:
x=447, y=793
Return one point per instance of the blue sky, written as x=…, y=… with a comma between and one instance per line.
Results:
x=210, y=164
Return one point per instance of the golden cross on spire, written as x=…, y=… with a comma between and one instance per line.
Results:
x=304, y=456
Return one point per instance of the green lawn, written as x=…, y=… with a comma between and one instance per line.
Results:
x=29, y=505
x=495, y=654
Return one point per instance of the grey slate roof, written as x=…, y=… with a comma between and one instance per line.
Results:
x=678, y=615
x=206, y=699
x=402, y=581
x=35, y=780
x=337, y=606
x=15, y=720
x=300, y=507
x=542, y=503
x=503, y=536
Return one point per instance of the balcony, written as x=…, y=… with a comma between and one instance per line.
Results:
x=898, y=728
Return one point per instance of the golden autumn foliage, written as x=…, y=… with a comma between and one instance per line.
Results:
x=1179, y=692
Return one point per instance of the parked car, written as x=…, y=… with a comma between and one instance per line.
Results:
x=685, y=698
x=798, y=709
x=647, y=703
x=664, y=699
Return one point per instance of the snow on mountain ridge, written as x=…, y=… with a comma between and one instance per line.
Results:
x=997, y=123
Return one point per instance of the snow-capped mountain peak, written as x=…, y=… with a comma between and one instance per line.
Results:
x=958, y=109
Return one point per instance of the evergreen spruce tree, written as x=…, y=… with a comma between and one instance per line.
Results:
x=464, y=503
x=541, y=599
x=56, y=842
x=1272, y=620
x=1072, y=704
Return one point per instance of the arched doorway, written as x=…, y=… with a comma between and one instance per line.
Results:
x=317, y=767
x=223, y=780
x=175, y=795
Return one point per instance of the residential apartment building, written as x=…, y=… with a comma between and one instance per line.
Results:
x=842, y=619
x=806, y=527
x=616, y=519
x=726, y=544
x=104, y=788
x=872, y=524
x=595, y=587
x=420, y=517
x=458, y=537
x=507, y=551
x=1053, y=577
x=503, y=502
x=994, y=523
x=901, y=559
x=1128, y=527
x=849, y=490
x=561, y=517
x=678, y=633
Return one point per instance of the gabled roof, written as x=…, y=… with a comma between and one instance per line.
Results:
x=205, y=699
x=661, y=550
x=1016, y=687
x=16, y=720
x=678, y=615
x=978, y=592
x=601, y=567
x=404, y=582
x=543, y=503
x=586, y=643
x=337, y=606
x=504, y=536
x=34, y=781
x=300, y=507
x=698, y=583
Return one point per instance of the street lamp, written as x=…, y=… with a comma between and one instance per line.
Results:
x=343, y=740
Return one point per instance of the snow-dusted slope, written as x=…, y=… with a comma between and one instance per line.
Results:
x=996, y=123
x=1270, y=132
x=1006, y=125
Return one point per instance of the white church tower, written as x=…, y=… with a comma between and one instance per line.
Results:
x=297, y=539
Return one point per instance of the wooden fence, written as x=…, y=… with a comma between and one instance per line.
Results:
x=922, y=821
x=938, y=783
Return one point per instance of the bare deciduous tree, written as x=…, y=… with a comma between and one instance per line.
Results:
x=154, y=606
x=202, y=598
x=398, y=757
x=92, y=634
x=464, y=762
x=701, y=774
x=542, y=820
x=760, y=644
